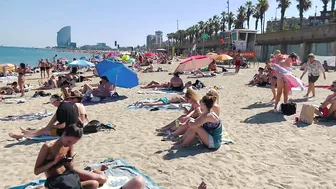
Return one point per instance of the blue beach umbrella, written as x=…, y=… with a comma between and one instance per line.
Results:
x=118, y=74
x=82, y=58
x=80, y=63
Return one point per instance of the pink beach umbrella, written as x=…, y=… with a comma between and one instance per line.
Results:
x=63, y=60
x=194, y=63
x=150, y=54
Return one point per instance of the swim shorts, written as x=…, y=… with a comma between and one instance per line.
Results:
x=312, y=79
x=165, y=100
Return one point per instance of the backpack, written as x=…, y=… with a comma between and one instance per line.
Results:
x=288, y=109
x=94, y=126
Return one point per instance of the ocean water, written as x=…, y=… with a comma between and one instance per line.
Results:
x=31, y=56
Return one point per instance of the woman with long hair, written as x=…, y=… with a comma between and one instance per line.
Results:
x=56, y=159
x=207, y=127
x=194, y=111
x=21, y=70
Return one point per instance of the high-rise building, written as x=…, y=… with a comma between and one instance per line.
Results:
x=64, y=37
x=158, y=38
x=150, y=41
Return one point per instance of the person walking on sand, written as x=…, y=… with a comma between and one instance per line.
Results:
x=314, y=68
x=21, y=70
x=238, y=61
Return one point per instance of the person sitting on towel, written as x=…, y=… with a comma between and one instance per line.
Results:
x=76, y=99
x=65, y=115
x=56, y=160
x=162, y=101
x=104, y=89
x=176, y=83
x=323, y=109
x=259, y=79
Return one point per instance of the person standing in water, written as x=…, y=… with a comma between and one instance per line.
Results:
x=314, y=68
x=238, y=61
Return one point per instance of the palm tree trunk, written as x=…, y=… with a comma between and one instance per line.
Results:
x=333, y=5
x=282, y=19
x=256, y=24
x=248, y=22
x=264, y=22
x=261, y=25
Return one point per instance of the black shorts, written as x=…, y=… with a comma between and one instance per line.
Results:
x=48, y=68
x=42, y=68
x=312, y=79
x=178, y=89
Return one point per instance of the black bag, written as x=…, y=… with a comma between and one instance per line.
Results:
x=288, y=109
x=92, y=127
x=66, y=180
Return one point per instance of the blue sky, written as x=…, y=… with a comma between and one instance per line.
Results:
x=34, y=23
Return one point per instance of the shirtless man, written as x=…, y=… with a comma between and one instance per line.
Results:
x=238, y=61
x=42, y=65
x=323, y=110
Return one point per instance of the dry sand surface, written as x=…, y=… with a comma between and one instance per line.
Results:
x=269, y=150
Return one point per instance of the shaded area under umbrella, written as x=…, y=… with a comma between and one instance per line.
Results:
x=118, y=74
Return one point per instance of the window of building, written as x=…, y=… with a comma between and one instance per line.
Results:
x=234, y=36
x=242, y=36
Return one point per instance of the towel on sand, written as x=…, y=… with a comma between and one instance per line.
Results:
x=27, y=117
x=172, y=106
x=118, y=173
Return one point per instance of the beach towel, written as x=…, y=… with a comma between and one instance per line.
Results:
x=14, y=101
x=118, y=173
x=97, y=100
x=323, y=86
x=159, y=91
x=27, y=117
x=293, y=81
x=43, y=138
x=159, y=107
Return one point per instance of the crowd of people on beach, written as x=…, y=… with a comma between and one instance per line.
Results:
x=200, y=123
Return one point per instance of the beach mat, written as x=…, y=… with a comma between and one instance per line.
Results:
x=118, y=173
x=323, y=86
x=159, y=91
x=159, y=107
x=27, y=117
x=114, y=98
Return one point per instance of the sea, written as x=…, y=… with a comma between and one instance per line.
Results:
x=31, y=56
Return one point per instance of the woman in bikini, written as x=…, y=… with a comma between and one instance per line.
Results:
x=194, y=111
x=42, y=66
x=56, y=159
x=21, y=79
x=183, y=127
x=176, y=83
x=76, y=98
x=283, y=86
x=207, y=126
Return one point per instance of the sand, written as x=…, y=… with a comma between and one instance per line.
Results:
x=270, y=151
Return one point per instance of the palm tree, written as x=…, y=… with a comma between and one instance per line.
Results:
x=201, y=29
x=283, y=5
x=216, y=24
x=223, y=19
x=303, y=6
x=256, y=15
x=333, y=5
x=325, y=6
x=249, y=7
x=241, y=17
x=263, y=7
x=230, y=19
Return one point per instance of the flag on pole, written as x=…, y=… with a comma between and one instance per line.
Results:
x=205, y=36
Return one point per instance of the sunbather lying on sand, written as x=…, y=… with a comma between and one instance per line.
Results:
x=163, y=101
x=50, y=84
x=330, y=112
x=10, y=89
x=155, y=84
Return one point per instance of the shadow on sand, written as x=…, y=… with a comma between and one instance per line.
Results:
x=191, y=150
x=115, y=99
x=265, y=117
x=24, y=143
x=259, y=105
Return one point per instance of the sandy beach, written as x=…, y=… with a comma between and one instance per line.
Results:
x=269, y=150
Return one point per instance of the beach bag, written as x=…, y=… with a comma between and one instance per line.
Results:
x=66, y=180
x=288, y=109
x=92, y=127
x=307, y=114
